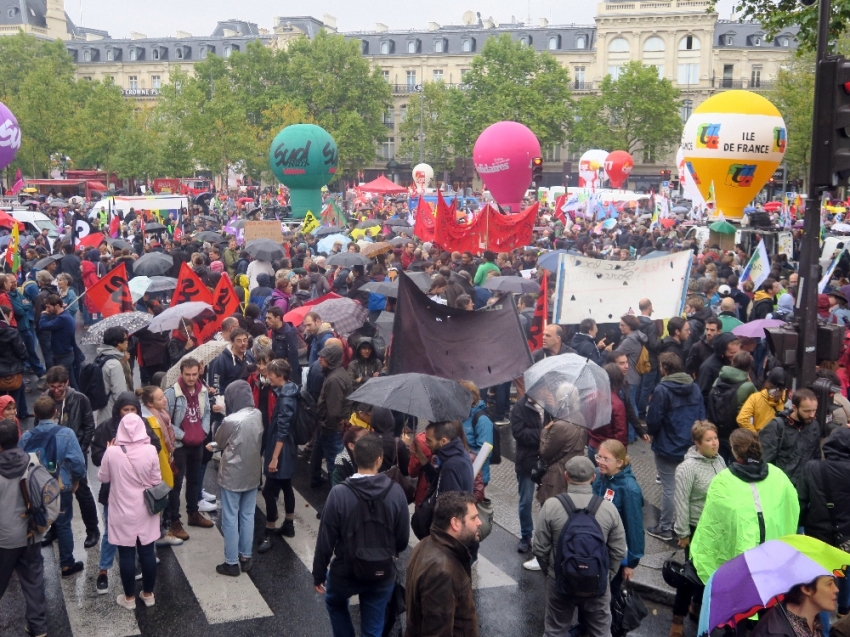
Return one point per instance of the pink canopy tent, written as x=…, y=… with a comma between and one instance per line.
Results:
x=383, y=186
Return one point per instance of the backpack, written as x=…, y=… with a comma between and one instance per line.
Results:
x=722, y=407
x=496, y=454
x=369, y=541
x=643, y=366
x=42, y=444
x=314, y=291
x=305, y=419
x=92, y=383
x=38, y=489
x=581, y=555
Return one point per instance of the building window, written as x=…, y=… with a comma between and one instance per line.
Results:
x=134, y=55
x=728, y=75
x=438, y=75
x=389, y=117
x=386, y=49
x=228, y=50
x=11, y=12
x=463, y=73
x=87, y=56
x=686, y=109
x=618, y=45
x=756, y=40
x=179, y=52
x=203, y=53
x=134, y=82
x=553, y=153
x=689, y=43
x=728, y=40
x=411, y=79
x=87, y=79
x=386, y=75
x=525, y=40
x=440, y=46
x=364, y=47
x=755, y=77
x=387, y=149
x=581, y=42
x=469, y=45
x=156, y=82
x=614, y=72
x=660, y=69
x=785, y=42
x=110, y=55
x=554, y=42
x=402, y=114
x=413, y=46
x=688, y=74
x=653, y=45
x=155, y=54
x=578, y=77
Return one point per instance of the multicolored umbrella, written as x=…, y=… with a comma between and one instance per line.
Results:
x=131, y=321
x=204, y=354
x=345, y=314
x=752, y=581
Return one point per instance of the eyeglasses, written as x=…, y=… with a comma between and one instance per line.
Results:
x=603, y=459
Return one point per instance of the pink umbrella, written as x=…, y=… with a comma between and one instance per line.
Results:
x=755, y=329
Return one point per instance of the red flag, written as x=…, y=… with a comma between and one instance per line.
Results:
x=114, y=226
x=423, y=227
x=225, y=303
x=190, y=288
x=558, y=211
x=91, y=240
x=541, y=314
x=111, y=295
x=178, y=233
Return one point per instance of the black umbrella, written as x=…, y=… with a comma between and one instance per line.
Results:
x=209, y=218
x=43, y=263
x=154, y=227
x=203, y=199
x=119, y=244
x=264, y=249
x=347, y=259
x=512, y=284
x=208, y=235
x=327, y=230
x=421, y=279
x=434, y=399
x=397, y=222
x=385, y=288
x=153, y=264
x=369, y=223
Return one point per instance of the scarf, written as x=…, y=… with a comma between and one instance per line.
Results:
x=167, y=429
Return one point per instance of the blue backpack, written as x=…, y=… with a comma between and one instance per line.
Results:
x=581, y=556
x=42, y=443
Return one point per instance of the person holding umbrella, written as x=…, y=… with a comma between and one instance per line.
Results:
x=800, y=611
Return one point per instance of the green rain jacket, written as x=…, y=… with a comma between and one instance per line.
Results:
x=729, y=524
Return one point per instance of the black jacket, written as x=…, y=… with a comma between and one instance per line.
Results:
x=225, y=368
x=455, y=469
x=333, y=408
x=154, y=348
x=75, y=413
x=540, y=354
x=670, y=344
x=762, y=308
x=13, y=352
x=697, y=323
x=789, y=446
x=339, y=508
x=653, y=342
x=585, y=345
x=710, y=369
x=285, y=345
x=177, y=350
x=833, y=470
x=526, y=426
x=698, y=354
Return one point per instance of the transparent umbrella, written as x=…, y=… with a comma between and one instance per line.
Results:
x=571, y=388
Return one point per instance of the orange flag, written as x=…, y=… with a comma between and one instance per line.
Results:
x=111, y=295
x=225, y=303
x=190, y=288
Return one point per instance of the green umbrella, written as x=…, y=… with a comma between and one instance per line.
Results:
x=723, y=227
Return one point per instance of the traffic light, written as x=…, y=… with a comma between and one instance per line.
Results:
x=665, y=175
x=536, y=171
x=831, y=153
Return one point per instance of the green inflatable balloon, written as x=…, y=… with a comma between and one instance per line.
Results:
x=304, y=158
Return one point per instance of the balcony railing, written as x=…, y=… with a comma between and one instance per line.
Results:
x=404, y=89
x=724, y=84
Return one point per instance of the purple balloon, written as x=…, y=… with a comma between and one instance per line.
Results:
x=10, y=136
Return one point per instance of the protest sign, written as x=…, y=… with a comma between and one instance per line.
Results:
x=606, y=290
x=263, y=230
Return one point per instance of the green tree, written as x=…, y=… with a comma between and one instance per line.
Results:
x=511, y=81
x=793, y=95
x=428, y=111
x=638, y=111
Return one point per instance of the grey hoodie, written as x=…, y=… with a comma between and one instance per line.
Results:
x=239, y=438
x=693, y=476
x=14, y=463
x=114, y=380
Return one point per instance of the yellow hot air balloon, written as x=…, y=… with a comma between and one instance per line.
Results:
x=735, y=140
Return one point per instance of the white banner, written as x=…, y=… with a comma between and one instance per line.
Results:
x=606, y=290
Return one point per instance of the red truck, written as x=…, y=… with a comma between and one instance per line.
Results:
x=192, y=186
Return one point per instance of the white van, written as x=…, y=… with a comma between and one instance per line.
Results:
x=36, y=222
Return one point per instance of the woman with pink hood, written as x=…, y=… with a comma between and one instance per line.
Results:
x=131, y=465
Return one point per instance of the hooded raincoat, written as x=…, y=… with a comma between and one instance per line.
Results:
x=675, y=406
x=625, y=493
x=693, y=477
x=239, y=437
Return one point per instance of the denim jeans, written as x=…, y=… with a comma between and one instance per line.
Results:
x=503, y=400
x=188, y=463
x=67, y=361
x=127, y=566
x=237, y=523
x=647, y=384
x=62, y=527
x=634, y=393
x=667, y=472
x=526, y=497
x=107, y=550
x=46, y=351
x=328, y=444
x=373, y=605
x=28, y=337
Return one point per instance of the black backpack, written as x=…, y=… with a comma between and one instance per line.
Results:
x=369, y=540
x=305, y=419
x=92, y=383
x=722, y=408
x=581, y=555
x=496, y=454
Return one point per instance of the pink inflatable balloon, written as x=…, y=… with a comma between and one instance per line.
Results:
x=502, y=157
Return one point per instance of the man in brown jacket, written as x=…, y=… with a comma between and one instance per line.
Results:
x=439, y=574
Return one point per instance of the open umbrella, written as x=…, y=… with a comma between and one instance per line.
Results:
x=347, y=259
x=238, y=224
x=131, y=321
x=323, y=231
x=203, y=199
x=58, y=203
x=840, y=227
x=397, y=223
x=118, y=244
x=326, y=243
x=297, y=315
x=374, y=249
x=572, y=388
x=345, y=314
x=384, y=288
x=549, y=261
x=512, y=284
x=429, y=397
x=30, y=202
x=680, y=210
x=209, y=235
x=723, y=227
x=384, y=324
x=755, y=329
x=397, y=242
x=153, y=263
x=176, y=315
x=204, y=354
x=369, y=223
x=752, y=580
x=209, y=218
x=138, y=286
x=155, y=227
x=43, y=263
x=773, y=206
x=162, y=283
x=264, y=249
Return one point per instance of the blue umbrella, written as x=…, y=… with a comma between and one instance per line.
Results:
x=655, y=254
x=549, y=261
x=609, y=223
x=326, y=243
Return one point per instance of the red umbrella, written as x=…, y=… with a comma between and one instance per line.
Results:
x=246, y=200
x=383, y=186
x=92, y=240
x=667, y=223
x=297, y=315
x=773, y=206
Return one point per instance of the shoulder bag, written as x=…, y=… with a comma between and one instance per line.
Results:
x=394, y=474
x=156, y=497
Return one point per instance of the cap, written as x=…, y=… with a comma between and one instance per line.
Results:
x=580, y=469
x=724, y=290
x=777, y=376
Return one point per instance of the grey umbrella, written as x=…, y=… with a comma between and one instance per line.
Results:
x=420, y=395
x=238, y=224
x=58, y=203
x=204, y=354
x=131, y=321
x=154, y=227
x=384, y=323
x=369, y=223
x=120, y=244
x=162, y=283
x=512, y=284
x=347, y=259
x=43, y=263
x=385, y=288
x=680, y=210
x=399, y=241
x=327, y=230
x=208, y=235
x=397, y=222
x=264, y=249
x=177, y=315
x=152, y=264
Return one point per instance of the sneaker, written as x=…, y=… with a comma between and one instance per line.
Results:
x=657, y=479
x=246, y=565
x=149, y=600
x=209, y=497
x=196, y=519
x=228, y=569
x=658, y=532
x=524, y=545
x=205, y=506
x=128, y=604
x=501, y=422
x=102, y=585
x=178, y=531
x=75, y=568
x=138, y=574
x=266, y=545
x=169, y=540
x=531, y=565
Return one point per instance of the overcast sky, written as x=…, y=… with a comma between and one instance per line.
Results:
x=198, y=17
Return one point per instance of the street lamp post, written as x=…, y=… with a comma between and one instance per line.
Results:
x=421, y=127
